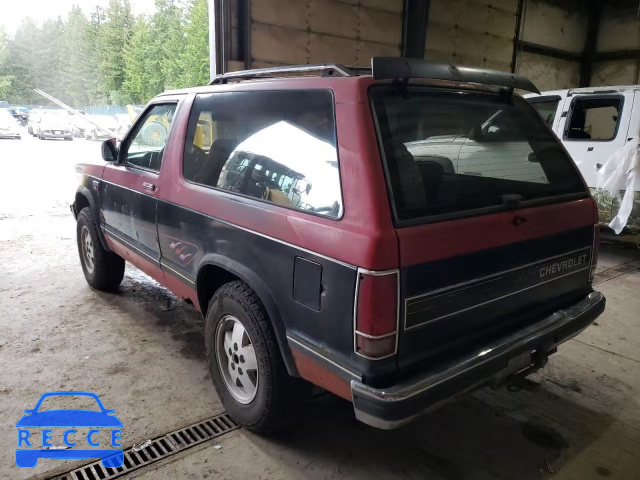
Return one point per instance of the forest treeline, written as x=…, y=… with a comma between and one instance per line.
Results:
x=110, y=57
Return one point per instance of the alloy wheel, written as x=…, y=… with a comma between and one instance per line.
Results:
x=87, y=249
x=236, y=359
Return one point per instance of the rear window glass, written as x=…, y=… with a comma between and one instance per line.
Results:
x=275, y=146
x=594, y=118
x=547, y=109
x=448, y=152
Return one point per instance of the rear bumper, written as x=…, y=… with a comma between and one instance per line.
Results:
x=519, y=353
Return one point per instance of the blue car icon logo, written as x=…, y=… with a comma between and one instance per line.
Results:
x=68, y=418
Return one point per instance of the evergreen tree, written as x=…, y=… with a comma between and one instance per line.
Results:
x=167, y=37
x=194, y=62
x=6, y=79
x=95, y=86
x=76, y=69
x=21, y=63
x=110, y=57
x=113, y=38
x=141, y=82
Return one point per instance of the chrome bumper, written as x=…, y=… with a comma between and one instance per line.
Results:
x=395, y=406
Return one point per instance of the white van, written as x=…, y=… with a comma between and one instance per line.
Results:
x=593, y=123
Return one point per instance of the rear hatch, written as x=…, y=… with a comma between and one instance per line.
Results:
x=495, y=224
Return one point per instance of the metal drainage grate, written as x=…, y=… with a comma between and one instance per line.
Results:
x=160, y=448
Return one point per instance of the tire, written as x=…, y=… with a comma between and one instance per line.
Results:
x=275, y=389
x=103, y=270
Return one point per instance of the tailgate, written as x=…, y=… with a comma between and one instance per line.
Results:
x=465, y=281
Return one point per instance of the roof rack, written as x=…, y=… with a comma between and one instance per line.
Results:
x=326, y=70
x=391, y=68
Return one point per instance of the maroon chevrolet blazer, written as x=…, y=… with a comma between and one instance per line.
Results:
x=396, y=235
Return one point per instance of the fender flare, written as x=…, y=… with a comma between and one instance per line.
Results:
x=84, y=191
x=264, y=294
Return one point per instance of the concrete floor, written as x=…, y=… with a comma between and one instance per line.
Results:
x=141, y=351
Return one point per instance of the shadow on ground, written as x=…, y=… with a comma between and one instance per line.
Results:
x=464, y=439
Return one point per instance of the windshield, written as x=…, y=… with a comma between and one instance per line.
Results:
x=447, y=152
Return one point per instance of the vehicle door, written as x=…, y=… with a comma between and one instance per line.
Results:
x=593, y=127
x=129, y=191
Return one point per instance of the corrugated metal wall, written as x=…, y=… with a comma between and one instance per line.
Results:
x=472, y=32
x=318, y=31
x=560, y=25
x=467, y=32
x=619, y=30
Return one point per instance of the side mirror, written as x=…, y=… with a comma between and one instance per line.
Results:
x=109, y=150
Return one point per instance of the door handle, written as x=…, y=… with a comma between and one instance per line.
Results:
x=149, y=187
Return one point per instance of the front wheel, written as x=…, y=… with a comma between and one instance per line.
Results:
x=244, y=359
x=103, y=270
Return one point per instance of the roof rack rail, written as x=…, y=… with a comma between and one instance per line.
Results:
x=326, y=70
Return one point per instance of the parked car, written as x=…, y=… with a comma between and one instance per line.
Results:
x=20, y=114
x=54, y=124
x=105, y=121
x=78, y=125
x=9, y=127
x=33, y=120
x=593, y=123
x=293, y=214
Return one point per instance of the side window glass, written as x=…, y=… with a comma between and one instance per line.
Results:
x=547, y=110
x=594, y=118
x=146, y=147
x=279, y=147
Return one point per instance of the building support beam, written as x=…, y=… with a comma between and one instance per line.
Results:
x=516, y=37
x=549, y=51
x=214, y=36
x=414, y=27
x=591, y=41
x=617, y=55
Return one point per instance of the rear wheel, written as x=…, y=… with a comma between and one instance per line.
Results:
x=244, y=359
x=103, y=270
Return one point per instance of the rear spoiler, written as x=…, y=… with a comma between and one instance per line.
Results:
x=396, y=68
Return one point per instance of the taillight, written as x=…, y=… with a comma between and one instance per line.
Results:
x=594, y=252
x=376, y=314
